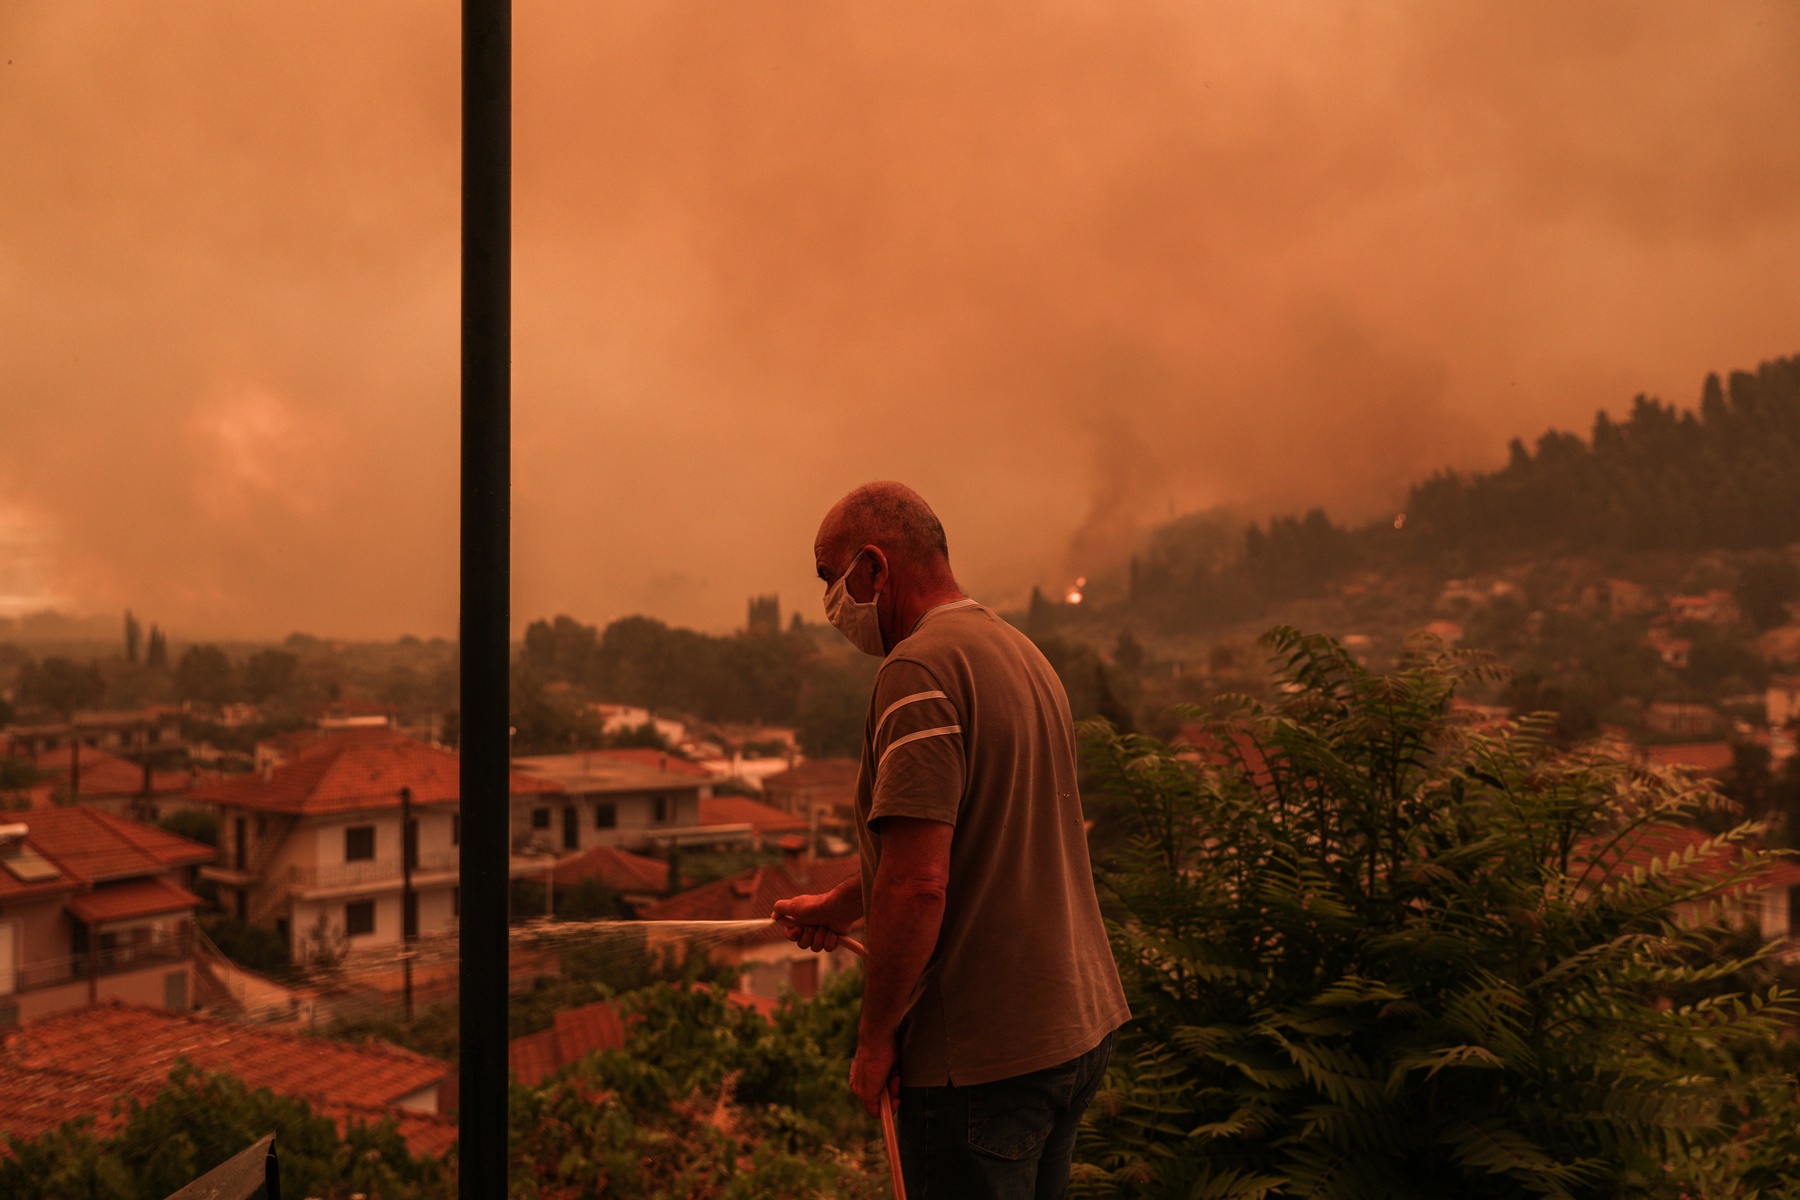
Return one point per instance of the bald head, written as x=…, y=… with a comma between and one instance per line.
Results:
x=886, y=544
x=892, y=516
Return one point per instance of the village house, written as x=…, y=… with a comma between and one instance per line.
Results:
x=1781, y=701
x=121, y=733
x=636, y=879
x=104, y=780
x=1616, y=598
x=767, y=963
x=1715, y=607
x=92, y=906
x=632, y=799
x=316, y=848
x=80, y=1064
x=1673, y=719
x=823, y=785
x=1674, y=651
x=1780, y=646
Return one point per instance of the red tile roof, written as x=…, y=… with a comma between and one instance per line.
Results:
x=741, y=810
x=817, y=772
x=620, y=870
x=354, y=771
x=87, y=846
x=105, y=775
x=130, y=1049
x=1702, y=758
x=577, y=1033
x=751, y=895
x=127, y=901
x=660, y=760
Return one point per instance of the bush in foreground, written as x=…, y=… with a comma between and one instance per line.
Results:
x=1375, y=952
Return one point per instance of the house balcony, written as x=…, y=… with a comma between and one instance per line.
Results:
x=372, y=875
x=160, y=949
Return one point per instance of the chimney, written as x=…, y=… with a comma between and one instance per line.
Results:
x=794, y=859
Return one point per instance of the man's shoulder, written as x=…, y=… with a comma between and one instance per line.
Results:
x=969, y=637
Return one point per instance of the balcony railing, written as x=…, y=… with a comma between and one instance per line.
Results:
x=371, y=871
x=161, y=948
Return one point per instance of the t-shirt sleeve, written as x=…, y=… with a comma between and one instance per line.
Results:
x=918, y=746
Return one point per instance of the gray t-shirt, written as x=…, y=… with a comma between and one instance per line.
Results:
x=970, y=725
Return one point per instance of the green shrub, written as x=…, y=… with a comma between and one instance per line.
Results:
x=197, y=1122
x=1367, y=957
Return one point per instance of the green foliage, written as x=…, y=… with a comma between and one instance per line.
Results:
x=204, y=675
x=268, y=675
x=61, y=685
x=255, y=947
x=1767, y=584
x=706, y=1099
x=197, y=1122
x=784, y=678
x=1660, y=479
x=195, y=824
x=1369, y=956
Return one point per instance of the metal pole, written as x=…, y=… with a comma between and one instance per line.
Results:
x=486, y=481
x=409, y=911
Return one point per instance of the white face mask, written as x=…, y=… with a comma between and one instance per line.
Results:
x=856, y=620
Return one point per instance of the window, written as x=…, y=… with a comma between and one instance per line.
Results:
x=152, y=736
x=606, y=816
x=409, y=915
x=540, y=818
x=662, y=809
x=359, y=917
x=456, y=829
x=359, y=843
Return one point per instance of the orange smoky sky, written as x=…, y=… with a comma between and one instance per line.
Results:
x=1063, y=266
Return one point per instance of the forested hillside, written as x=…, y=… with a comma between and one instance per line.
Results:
x=1723, y=475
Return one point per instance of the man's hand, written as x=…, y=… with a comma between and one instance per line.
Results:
x=876, y=1069
x=814, y=922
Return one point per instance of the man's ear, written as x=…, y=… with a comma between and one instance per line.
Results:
x=878, y=565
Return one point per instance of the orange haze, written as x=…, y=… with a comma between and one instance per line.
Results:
x=1060, y=265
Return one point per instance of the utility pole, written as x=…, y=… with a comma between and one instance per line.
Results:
x=485, y=582
x=409, y=902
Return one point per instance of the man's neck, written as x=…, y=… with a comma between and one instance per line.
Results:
x=912, y=609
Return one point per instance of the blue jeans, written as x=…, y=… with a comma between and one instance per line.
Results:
x=1006, y=1140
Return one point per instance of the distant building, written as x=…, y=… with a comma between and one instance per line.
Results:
x=1708, y=759
x=575, y=1034
x=823, y=785
x=81, y=1063
x=1781, y=702
x=125, y=734
x=106, y=780
x=1447, y=632
x=1616, y=598
x=632, y=799
x=749, y=820
x=636, y=879
x=1681, y=720
x=767, y=964
x=765, y=615
x=315, y=845
x=1781, y=645
x=629, y=718
x=1672, y=650
x=93, y=906
x=1716, y=607
x=352, y=712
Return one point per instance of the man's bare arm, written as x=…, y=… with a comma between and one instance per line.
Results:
x=904, y=916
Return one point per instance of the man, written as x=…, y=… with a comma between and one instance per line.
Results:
x=990, y=994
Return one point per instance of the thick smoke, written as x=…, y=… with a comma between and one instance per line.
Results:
x=1062, y=266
